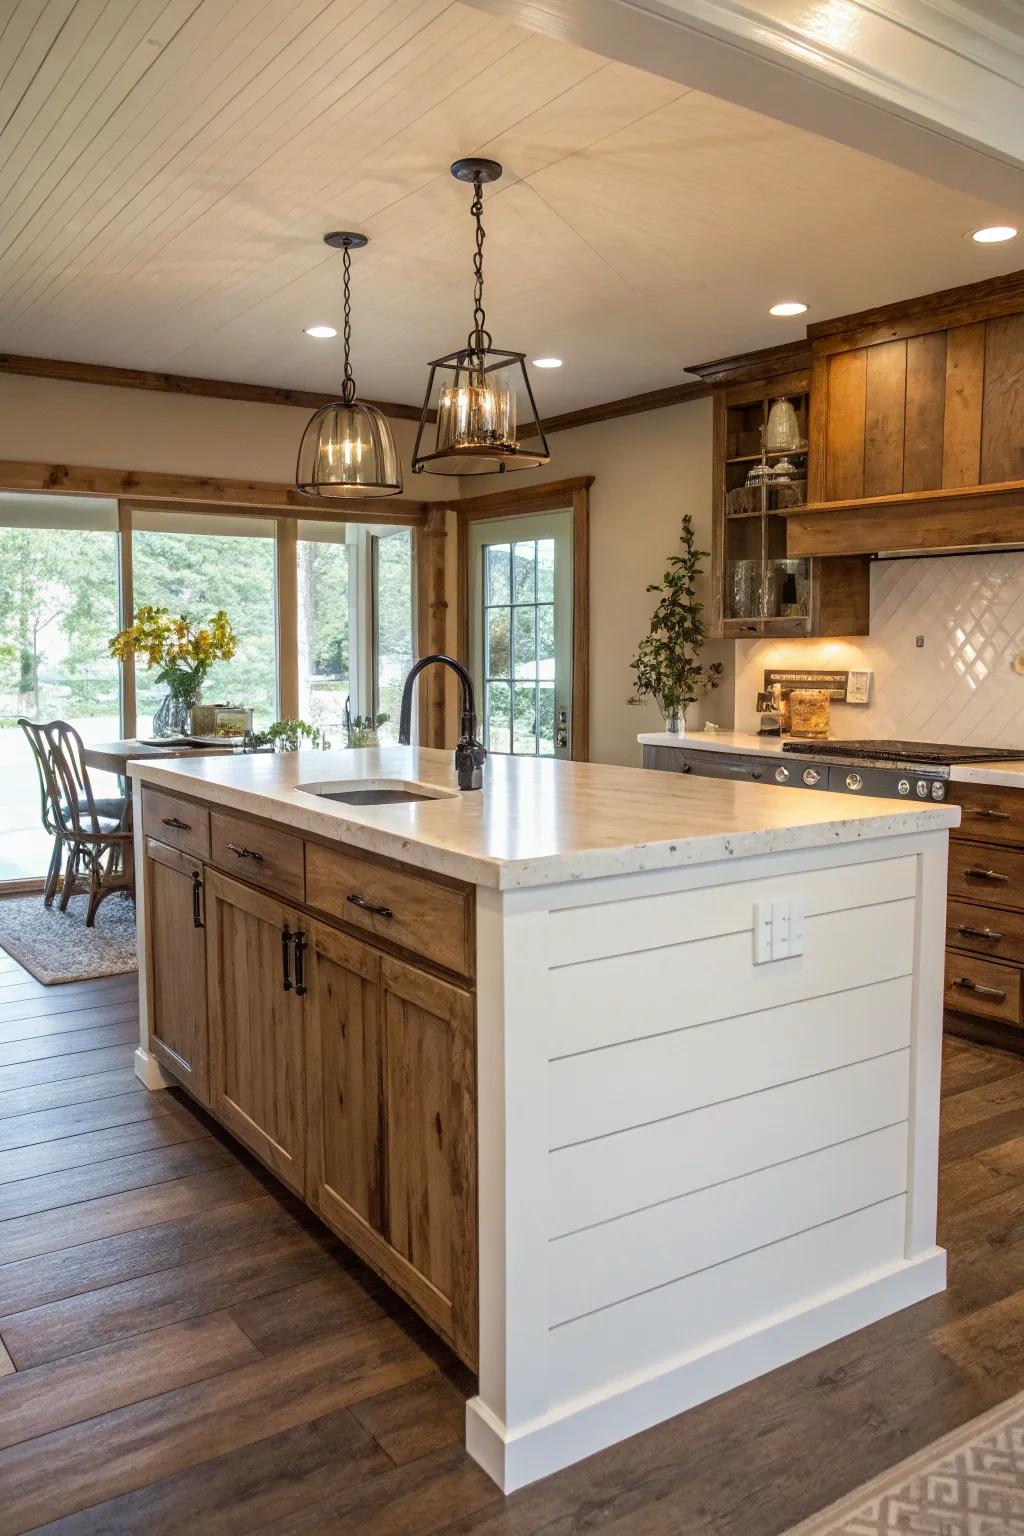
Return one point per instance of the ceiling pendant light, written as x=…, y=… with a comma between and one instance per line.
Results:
x=473, y=394
x=347, y=449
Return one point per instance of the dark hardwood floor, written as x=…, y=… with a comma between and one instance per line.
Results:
x=185, y=1349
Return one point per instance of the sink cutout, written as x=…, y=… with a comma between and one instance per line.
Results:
x=376, y=792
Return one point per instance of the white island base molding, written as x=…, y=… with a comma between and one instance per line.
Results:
x=694, y=1167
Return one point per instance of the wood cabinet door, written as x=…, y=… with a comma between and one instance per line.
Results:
x=346, y=1123
x=429, y=1095
x=257, y=1052
x=176, y=952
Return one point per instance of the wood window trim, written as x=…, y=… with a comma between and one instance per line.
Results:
x=557, y=496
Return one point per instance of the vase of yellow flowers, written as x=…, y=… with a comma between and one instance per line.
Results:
x=183, y=650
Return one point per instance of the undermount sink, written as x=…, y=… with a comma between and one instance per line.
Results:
x=376, y=791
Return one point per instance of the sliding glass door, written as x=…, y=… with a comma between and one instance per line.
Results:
x=58, y=609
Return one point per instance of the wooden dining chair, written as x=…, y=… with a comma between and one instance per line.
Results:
x=93, y=835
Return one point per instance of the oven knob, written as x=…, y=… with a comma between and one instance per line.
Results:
x=922, y=788
x=854, y=781
x=781, y=775
x=904, y=786
x=938, y=790
x=811, y=775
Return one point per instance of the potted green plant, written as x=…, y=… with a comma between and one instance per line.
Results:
x=288, y=736
x=183, y=650
x=363, y=730
x=666, y=667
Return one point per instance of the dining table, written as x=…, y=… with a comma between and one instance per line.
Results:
x=114, y=756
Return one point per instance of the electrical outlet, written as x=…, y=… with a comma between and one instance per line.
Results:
x=778, y=929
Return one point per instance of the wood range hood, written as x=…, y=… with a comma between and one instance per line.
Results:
x=916, y=426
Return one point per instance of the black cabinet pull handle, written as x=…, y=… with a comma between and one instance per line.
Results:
x=177, y=824
x=368, y=906
x=987, y=815
x=300, y=964
x=286, y=939
x=980, y=933
x=974, y=873
x=244, y=853
x=979, y=990
x=197, y=890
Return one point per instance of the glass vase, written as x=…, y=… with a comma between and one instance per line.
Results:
x=172, y=718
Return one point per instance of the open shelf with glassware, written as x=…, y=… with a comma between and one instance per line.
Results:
x=762, y=469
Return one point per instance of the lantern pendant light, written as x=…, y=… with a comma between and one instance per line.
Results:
x=473, y=393
x=347, y=449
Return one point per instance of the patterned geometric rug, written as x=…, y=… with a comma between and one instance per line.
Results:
x=57, y=946
x=970, y=1483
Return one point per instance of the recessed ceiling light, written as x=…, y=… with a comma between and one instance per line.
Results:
x=547, y=362
x=788, y=307
x=992, y=234
x=321, y=332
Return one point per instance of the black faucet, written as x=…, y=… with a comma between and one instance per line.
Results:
x=469, y=753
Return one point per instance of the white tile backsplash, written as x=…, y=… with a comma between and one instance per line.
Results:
x=959, y=687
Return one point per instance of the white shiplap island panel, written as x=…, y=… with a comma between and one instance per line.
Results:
x=694, y=1168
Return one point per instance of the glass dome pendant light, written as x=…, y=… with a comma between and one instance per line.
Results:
x=347, y=450
x=472, y=393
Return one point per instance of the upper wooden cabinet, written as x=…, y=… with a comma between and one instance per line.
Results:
x=917, y=426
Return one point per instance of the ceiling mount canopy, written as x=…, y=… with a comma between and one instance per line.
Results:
x=347, y=450
x=473, y=394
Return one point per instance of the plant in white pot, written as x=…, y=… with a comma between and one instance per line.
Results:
x=666, y=666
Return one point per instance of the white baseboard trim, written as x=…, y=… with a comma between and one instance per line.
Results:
x=149, y=1071
x=579, y=1428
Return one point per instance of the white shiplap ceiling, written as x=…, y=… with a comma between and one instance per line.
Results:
x=168, y=167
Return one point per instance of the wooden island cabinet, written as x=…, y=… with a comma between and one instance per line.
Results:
x=344, y=1061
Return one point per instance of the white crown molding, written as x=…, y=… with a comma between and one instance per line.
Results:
x=927, y=84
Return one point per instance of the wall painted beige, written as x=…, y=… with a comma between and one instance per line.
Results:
x=56, y=421
x=649, y=470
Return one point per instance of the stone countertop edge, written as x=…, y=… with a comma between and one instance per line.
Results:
x=558, y=867
x=1006, y=775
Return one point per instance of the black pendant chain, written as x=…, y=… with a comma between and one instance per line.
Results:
x=480, y=337
x=348, y=384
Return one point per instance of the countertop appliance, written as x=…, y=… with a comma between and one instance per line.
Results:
x=890, y=769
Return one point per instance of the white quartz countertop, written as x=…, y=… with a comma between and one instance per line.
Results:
x=1008, y=774
x=536, y=821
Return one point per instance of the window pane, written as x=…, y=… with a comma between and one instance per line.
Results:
x=196, y=574
x=546, y=719
x=545, y=570
x=525, y=642
x=58, y=609
x=499, y=709
x=546, y=642
x=524, y=565
x=498, y=631
x=524, y=732
x=324, y=575
x=499, y=581
x=393, y=636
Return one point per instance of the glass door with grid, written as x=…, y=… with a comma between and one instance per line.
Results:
x=521, y=632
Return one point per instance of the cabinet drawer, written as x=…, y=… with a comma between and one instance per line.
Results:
x=993, y=813
x=181, y=823
x=987, y=874
x=256, y=853
x=984, y=931
x=419, y=913
x=982, y=988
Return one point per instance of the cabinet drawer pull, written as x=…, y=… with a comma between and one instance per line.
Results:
x=286, y=974
x=197, y=910
x=975, y=873
x=368, y=906
x=980, y=933
x=177, y=823
x=979, y=990
x=244, y=853
x=987, y=815
x=300, y=964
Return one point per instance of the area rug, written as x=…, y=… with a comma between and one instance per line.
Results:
x=57, y=946
x=970, y=1483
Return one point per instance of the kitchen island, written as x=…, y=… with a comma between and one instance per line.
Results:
x=627, y=1082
